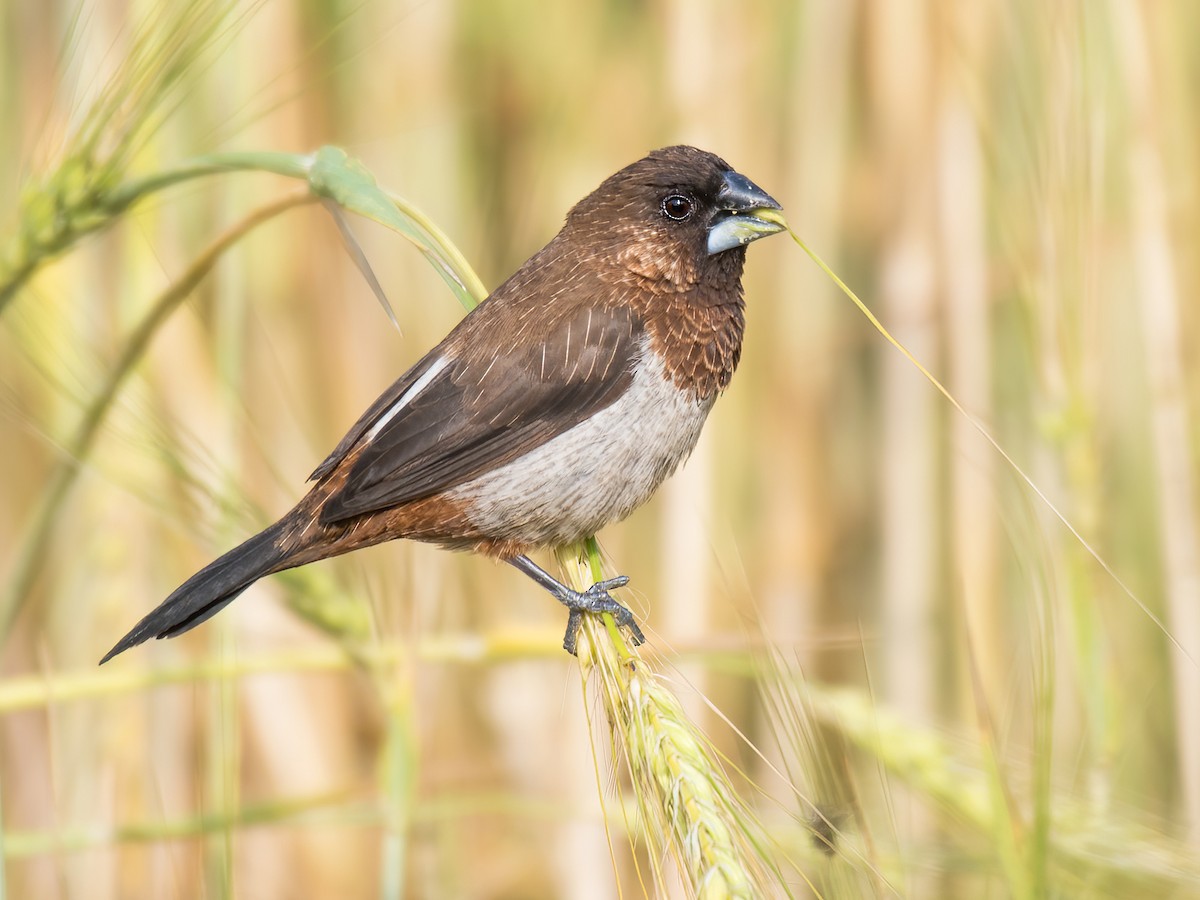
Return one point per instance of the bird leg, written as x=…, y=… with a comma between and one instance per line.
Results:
x=595, y=599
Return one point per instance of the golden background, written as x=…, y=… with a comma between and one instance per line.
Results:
x=1012, y=187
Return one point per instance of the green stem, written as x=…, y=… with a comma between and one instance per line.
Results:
x=337, y=808
x=596, y=563
x=329, y=172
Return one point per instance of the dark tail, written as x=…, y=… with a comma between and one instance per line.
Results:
x=208, y=591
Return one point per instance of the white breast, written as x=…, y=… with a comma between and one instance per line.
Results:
x=596, y=473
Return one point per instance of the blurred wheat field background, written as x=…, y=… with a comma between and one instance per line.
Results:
x=916, y=680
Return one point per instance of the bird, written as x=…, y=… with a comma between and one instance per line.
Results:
x=555, y=407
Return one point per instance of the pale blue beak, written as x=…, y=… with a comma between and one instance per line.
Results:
x=745, y=213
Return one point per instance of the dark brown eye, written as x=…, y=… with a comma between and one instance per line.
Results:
x=677, y=207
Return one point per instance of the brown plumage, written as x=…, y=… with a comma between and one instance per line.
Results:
x=555, y=407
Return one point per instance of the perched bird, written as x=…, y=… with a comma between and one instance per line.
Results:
x=555, y=407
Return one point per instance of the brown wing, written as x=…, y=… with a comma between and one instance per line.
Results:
x=374, y=412
x=475, y=414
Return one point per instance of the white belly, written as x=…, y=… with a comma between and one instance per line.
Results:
x=596, y=473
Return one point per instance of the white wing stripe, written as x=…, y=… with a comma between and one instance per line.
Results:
x=407, y=397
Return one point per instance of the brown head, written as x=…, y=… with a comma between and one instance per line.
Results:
x=675, y=218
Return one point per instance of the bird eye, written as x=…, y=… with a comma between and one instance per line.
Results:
x=677, y=207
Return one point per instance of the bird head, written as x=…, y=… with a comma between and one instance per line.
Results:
x=677, y=214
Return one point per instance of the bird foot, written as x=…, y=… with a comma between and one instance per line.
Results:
x=596, y=599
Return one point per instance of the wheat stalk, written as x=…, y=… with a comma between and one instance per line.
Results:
x=688, y=806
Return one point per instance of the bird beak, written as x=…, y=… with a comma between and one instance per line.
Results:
x=745, y=213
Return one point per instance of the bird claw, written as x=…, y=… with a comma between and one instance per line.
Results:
x=596, y=599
